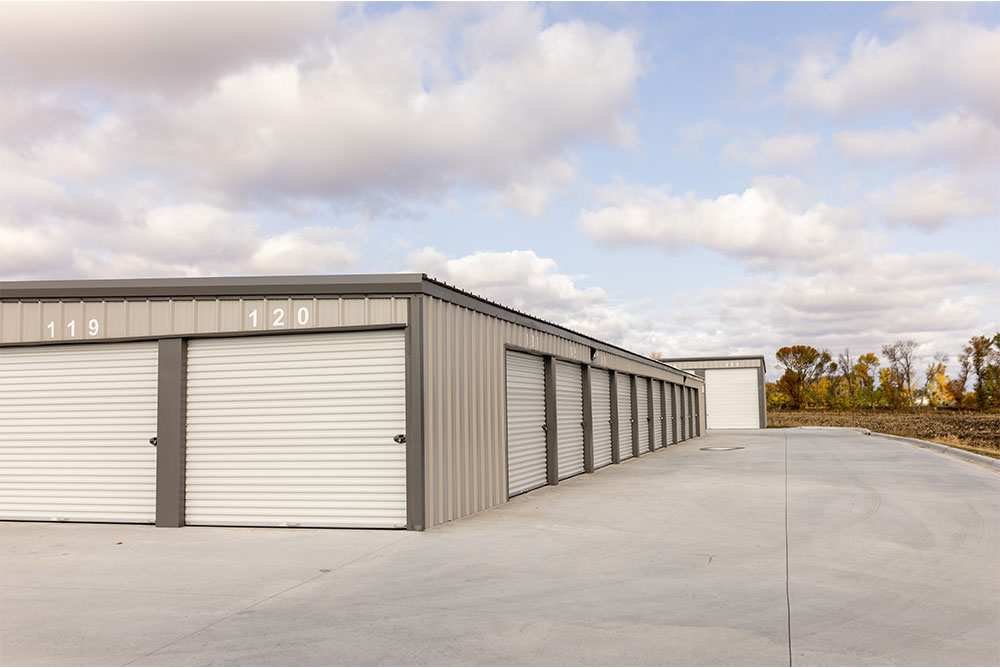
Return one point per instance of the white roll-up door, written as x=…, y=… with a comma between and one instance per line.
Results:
x=681, y=413
x=689, y=407
x=657, y=415
x=668, y=417
x=624, y=416
x=297, y=430
x=75, y=424
x=569, y=414
x=642, y=407
x=731, y=398
x=526, y=453
x=600, y=388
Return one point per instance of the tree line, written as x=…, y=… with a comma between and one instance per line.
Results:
x=813, y=378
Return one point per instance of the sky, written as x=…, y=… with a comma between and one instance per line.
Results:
x=686, y=178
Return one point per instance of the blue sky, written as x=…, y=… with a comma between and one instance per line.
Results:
x=690, y=178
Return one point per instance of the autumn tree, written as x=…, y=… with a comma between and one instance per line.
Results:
x=847, y=372
x=865, y=371
x=899, y=379
x=983, y=360
x=804, y=365
x=935, y=379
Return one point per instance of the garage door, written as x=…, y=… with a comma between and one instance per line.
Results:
x=682, y=405
x=297, y=430
x=642, y=407
x=669, y=417
x=75, y=424
x=526, y=453
x=731, y=397
x=569, y=412
x=657, y=414
x=624, y=417
x=600, y=387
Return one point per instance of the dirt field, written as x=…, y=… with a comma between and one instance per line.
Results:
x=978, y=432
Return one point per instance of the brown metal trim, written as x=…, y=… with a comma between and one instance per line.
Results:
x=634, y=388
x=551, y=422
x=588, y=420
x=212, y=335
x=171, y=431
x=344, y=284
x=416, y=499
x=615, y=436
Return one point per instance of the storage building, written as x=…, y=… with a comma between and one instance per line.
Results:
x=734, y=389
x=376, y=401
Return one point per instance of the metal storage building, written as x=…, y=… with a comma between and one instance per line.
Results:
x=734, y=389
x=377, y=401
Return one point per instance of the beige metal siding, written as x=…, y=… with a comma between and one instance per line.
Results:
x=465, y=465
x=43, y=322
x=569, y=413
x=657, y=415
x=642, y=400
x=297, y=430
x=526, y=446
x=600, y=387
x=75, y=424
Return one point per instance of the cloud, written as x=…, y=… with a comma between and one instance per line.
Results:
x=757, y=226
x=926, y=200
x=931, y=66
x=408, y=103
x=960, y=137
x=796, y=150
x=530, y=195
x=168, y=47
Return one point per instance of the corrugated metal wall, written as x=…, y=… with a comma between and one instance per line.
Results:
x=37, y=321
x=465, y=463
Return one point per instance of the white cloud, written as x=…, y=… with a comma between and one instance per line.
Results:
x=962, y=138
x=757, y=226
x=171, y=47
x=928, y=201
x=530, y=195
x=408, y=103
x=796, y=150
x=931, y=66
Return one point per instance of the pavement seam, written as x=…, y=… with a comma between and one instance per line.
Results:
x=264, y=600
x=788, y=596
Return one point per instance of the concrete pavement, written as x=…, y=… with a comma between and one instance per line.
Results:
x=891, y=556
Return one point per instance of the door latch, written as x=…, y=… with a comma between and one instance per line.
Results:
x=399, y=438
x=152, y=441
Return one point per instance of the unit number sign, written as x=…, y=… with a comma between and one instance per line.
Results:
x=93, y=327
x=278, y=317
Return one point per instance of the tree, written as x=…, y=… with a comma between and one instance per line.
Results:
x=983, y=361
x=864, y=373
x=804, y=365
x=900, y=378
x=933, y=384
x=848, y=373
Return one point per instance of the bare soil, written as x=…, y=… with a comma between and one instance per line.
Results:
x=977, y=432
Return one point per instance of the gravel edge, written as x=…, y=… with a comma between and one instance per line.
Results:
x=944, y=449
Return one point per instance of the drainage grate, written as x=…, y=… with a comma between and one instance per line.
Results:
x=723, y=449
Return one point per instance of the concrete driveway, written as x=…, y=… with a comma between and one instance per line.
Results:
x=807, y=546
